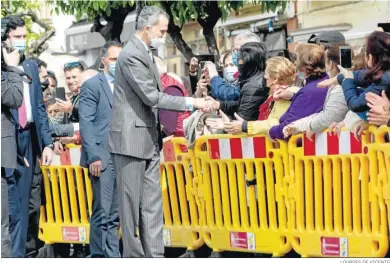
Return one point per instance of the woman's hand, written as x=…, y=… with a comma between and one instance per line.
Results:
x=358, y=129
x=347, y=74
x=201, y=87
x=65, y=105
x=194, y=65
x=235, y=126
x=327, y=83
x=380, y=109
x=289, y=130
x=335, y=128
x=283, y=94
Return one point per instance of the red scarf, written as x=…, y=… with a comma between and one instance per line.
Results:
x=265, y=108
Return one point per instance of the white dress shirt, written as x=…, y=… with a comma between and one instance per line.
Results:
x=27, y=99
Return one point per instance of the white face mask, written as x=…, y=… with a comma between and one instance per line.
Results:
x=156, y=42
x=19, y=45
x=228, y=73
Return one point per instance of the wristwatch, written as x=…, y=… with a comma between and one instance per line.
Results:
x=50, y=145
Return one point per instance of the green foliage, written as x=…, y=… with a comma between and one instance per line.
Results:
x=91, y=8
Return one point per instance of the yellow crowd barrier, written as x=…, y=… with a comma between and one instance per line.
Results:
x=333, y=196
x=68, y=201
x=242, y=193
x=181, y=211
x=324, y=197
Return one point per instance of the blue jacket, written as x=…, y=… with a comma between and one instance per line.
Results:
x=95, y=110
x=354, y=96
x=221, y=90
x=38, y=109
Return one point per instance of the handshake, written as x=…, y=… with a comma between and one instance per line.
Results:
x=207, y=104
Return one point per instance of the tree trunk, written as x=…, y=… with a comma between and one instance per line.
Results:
x=174, y=32
x=211, y=41
x=139, y=6
x=113, y=29
x=211, y=14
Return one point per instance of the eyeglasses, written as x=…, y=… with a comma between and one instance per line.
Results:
x=72, y=65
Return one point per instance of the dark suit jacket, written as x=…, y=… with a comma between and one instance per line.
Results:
x=37, y=107
x=95, y=109
x=135, y=128
x=11, y=98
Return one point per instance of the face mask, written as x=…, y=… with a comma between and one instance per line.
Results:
x=300, y=74
x=156, y=42
x=228, y=73
x=45, y=84
x=58, y=118
x=111, y=68
x=19, y=45
x=235, y=58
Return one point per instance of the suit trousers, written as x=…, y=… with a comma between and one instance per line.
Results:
x=104, y=222
x=33, y=242
x=19, y=190
x=6, y=249
x=140, y=205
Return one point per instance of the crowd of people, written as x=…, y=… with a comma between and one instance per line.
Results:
x=122, y=113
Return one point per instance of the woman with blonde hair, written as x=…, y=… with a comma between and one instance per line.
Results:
x=280, y=73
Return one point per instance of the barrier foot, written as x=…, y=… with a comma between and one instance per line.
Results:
x=215, y=255
x=188, y=254
x=47, y=251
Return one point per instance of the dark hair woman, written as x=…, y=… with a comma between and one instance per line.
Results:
x=375, y=78
x=253, y=91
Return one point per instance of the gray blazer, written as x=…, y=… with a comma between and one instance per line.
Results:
x=11, y=98
x=95, y=115
x=135, y=127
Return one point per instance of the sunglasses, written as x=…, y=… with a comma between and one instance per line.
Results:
x=73, y=65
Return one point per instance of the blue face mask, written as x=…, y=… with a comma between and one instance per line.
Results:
x=235, y=58
x=19, y=45
x=229, y=72
x=300, y=74
x=111, y=68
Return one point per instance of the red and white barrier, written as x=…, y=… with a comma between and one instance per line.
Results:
x=324, y=143
x=71, y=156
x=237, y=148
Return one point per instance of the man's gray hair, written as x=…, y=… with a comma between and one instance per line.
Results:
x=248, y=37
x=150, y=16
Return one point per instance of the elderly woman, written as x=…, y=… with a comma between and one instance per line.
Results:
x=335, y=107
x=309, y=99
x=280, y=74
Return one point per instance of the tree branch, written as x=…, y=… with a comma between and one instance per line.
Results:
x=35, y=19
x=37, y=46
x=175, y=32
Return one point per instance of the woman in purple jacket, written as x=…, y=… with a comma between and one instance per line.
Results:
x=309, y=99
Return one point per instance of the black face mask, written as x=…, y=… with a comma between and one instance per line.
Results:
x=45, y=84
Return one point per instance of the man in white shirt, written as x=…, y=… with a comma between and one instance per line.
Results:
x=33, y=140
x=95, y=115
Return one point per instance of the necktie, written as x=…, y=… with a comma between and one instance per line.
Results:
x=22, y=112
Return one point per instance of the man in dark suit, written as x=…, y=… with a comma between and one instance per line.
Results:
x=135, y=136
x=11, y=98
x=95, y=116
x=33, y=140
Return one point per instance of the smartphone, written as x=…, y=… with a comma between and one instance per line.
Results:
x=346, y=57
x=60, y=93
x=202, y=59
